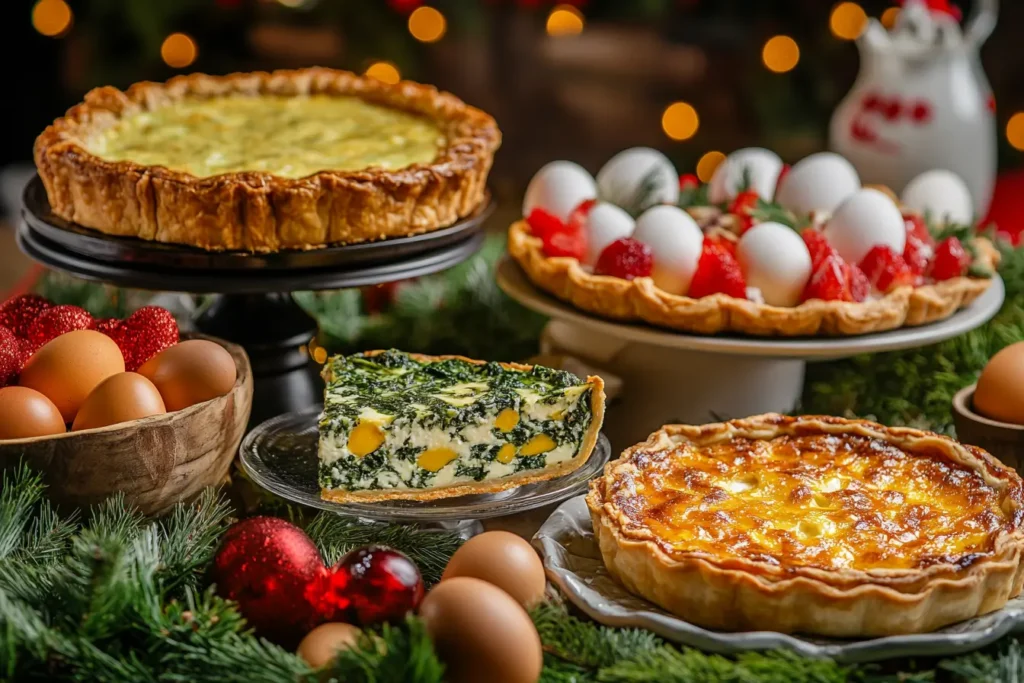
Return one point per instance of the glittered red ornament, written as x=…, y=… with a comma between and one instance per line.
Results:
x=147, y=332
x=55, y=321
x=266, y=564
x=10, y=357
x=19, y=312
x=368, y=586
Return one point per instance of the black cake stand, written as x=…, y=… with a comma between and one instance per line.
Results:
x=253, y=306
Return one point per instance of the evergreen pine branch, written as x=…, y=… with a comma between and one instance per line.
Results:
x=394, y=655
x=765, y=211
x=20, y=491
x=1003, y=665
x=189, y=537
x=696, y=195
x=47, y=537
x=586, y=644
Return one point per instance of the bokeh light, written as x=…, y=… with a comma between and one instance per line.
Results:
x=707, y=165
x=52, y=17
x=889, y=17
x=564, y=20
x=427, y=25
x=680, y=121
x=1015, y=131
x=848, y=20
x=384, y=71
x=178, y=50
x=780, y=54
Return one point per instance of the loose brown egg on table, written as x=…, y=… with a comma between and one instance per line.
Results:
x=999, y=394
x=191, y=372
x=321, y=645
x=481, y=633
x=120, y=398
x=68, y=368
x=26, y=413
x=505, y=560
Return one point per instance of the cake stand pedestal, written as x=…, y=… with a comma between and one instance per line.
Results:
x=253, y=306
x=672, y=377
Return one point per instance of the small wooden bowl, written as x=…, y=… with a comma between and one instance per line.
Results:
x=156, y=461
x=1001, y=439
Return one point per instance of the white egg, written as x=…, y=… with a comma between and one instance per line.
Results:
x=818, y=183
x=762, y=166
x=605, y=223
x=619, y=181
x=940, y=194
x=775, y=260
x=675, y=240
x=558, y=188
x=866, y=219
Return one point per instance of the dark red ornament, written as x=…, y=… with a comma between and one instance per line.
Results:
x=55, y=321
x=266, y=565
x=147, y=332
x=368, y=586
x=404, y=6
x=10, y=357
x=113, y=328
x=19, y=312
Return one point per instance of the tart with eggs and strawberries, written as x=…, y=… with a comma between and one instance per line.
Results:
x=762, y=249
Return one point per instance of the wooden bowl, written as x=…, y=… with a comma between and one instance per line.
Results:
x=155, y=461
x=1001, y=439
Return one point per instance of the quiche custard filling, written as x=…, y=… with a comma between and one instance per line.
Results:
x=290, y=137
x=817, y=501
x=391, y=421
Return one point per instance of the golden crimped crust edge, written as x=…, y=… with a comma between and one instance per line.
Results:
x=730, y=593
x=256, y=211
x=640, y=300
x=597, y=400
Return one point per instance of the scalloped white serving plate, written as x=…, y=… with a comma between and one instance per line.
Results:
x=573, y=563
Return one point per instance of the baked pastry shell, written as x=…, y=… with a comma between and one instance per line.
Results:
x=640, y=300
x=734, y=594
x=256, y=211
x=597, y=399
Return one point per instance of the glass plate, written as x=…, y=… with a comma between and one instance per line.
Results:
x=281, y=456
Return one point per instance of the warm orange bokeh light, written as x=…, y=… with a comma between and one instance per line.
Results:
x=427, y=25
x=564, y=20
x=1015, y=131
x=848, y=20
x=707, y=165
x=178, y=50
x=384, y=71
x=52, y=17
x=680, y=121
x=780, y=54
x=889, y=17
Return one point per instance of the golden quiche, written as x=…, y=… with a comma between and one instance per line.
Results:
x=815, y=525
x=267, y=161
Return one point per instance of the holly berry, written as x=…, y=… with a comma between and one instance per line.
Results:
x=625, y=258
x=951, y=259
x=742, y=206
x=18, y=313
x=886, y=269
x=368, y=586
x=817, y=245
x=718, y=272
x=688, y=181
x=543, y=224
x=55, y=321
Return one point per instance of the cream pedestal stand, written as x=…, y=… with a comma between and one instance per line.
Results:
x=672, y=377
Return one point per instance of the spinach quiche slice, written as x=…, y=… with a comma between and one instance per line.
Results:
x=406, y=426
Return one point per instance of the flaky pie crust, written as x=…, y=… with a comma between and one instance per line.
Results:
x=733, y=593
x=641, y=300
x=597, y=398
x=256, y=211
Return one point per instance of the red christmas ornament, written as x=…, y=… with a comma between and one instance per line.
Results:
x=10, y=357
x=404, y=6
x=18, y=313
x=113, y=328
x=147, y=332
x=368, y=586
x=266, y=565
x=55, y=321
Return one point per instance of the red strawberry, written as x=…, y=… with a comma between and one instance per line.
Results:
x=830, y=280
x=727, y=244
x=626, y=258
x=783, y=172
x=543, y=224
x=718, y=272
x=817, y=245
x=916, y=254
x=742, y=206
x=148, y=331
x=918, y=228
x=55, y=321
x=688, y=181
x=571, y=244
x=577, y=221
x=18, y=313
x=951, y=259
x=858, y=283
x=886, y=269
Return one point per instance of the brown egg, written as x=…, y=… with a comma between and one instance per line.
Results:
x=26, y=413
x=481, y=633
x=191, y=372
x=1000, y=391
x=68, y=368
x=322, y=644
x=121, y=398
x=505, y=560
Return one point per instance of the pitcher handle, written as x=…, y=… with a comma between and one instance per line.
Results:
x=982, y=22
